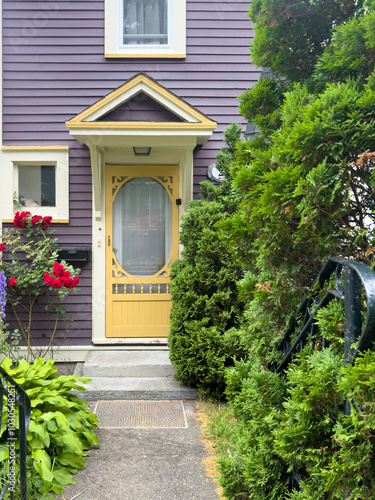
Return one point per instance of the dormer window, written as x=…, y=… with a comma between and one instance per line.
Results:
x=145, y=28
x=145, y=22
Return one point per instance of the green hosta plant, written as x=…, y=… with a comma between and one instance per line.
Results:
x=60, y=430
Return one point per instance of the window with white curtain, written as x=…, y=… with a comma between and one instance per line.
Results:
x=145, y=22
x=142, y=226
x=37, y=185
x=144, y=28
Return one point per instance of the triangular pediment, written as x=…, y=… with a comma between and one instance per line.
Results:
x=140, y=108
x=143, y=102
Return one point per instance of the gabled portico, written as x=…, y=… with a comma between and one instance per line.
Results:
x=112, y=129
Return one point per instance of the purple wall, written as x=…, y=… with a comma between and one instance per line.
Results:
x=54, y=67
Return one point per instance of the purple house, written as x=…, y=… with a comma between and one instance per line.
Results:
x=113, y=111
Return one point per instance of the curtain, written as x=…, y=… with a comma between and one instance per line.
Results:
x=145, y=22
x=37, y=185
x=142, y=223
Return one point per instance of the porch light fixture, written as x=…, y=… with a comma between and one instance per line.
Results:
x=214, y=174
x=141, y=151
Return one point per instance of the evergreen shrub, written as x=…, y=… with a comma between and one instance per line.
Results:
x=205, y=301
x=306, y=186
x=206, y=308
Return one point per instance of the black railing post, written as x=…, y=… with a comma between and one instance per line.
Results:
x=352, y=299
x=352, y=309
x=15, y=395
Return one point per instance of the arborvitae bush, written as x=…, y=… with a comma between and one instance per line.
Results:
x=204, y=301
x=206, y=308
x=251, y=468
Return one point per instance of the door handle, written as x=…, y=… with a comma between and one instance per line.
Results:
x=109, y=241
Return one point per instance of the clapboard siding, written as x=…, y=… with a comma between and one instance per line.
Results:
x=54, y=67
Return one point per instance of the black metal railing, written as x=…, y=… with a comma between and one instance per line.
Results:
x=15, y=395
x=356, y=277
x=354, y=284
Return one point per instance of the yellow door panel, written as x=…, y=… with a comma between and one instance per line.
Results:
x=142, y=242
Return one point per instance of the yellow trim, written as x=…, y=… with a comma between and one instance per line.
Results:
x=146, y=56
x=143, y=125
x=25, y=148
x=79, y=119
x=54, y=221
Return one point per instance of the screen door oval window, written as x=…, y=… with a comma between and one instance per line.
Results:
x=142, y=221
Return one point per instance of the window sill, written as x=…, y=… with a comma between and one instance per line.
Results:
x=145, y=56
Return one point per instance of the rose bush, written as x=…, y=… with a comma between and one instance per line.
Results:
x=34, y=276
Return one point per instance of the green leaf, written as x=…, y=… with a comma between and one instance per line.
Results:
x=62, y=476
x=4, y=452
x=42, y=464
x=91, y=437
x=72, y=443
x=71, y=459
x=41, y=432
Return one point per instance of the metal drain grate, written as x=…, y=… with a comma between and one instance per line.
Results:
x=140, y=414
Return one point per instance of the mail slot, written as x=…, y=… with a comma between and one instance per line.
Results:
x=74, y=254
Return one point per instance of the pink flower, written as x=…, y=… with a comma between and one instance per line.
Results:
x=12, y=282
x=2, y=248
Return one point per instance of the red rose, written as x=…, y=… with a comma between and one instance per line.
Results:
x=21, y=218
x=2, y=248
x=60, y=278
x=55, y=283
x=58, y=269
x=35, y=219
x=47, y=278
x=46, y=222
x=71, y=282
x=12, y=282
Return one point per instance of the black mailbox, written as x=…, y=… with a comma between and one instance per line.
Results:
x=74, y=254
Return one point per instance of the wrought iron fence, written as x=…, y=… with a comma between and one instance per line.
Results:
x=354, y=284
x=15, y=395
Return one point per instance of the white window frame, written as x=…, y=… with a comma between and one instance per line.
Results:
x=12, y=157
x=176, y=47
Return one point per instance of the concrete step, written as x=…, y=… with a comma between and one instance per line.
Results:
x=128, y=363
x=118, y=388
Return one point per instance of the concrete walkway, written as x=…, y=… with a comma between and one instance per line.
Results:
x=146, y=464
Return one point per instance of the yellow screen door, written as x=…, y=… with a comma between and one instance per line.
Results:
x=141, y=244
